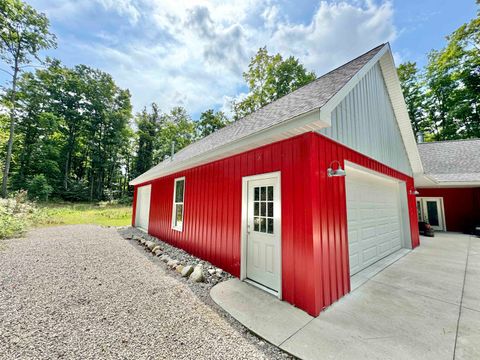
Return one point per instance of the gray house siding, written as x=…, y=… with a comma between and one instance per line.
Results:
x=365, y=121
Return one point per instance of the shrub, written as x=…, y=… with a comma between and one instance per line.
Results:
x=17, y=214
x=126, y=200
x=39, y=189
x=77, y=191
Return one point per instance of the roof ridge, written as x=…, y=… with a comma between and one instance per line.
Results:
x=297, y=103
x=378, y=47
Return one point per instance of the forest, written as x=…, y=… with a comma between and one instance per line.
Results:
x=69, y=133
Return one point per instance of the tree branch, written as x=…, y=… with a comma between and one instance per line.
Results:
x=5, y=71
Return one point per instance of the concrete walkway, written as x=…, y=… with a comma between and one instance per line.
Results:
x=426, y=305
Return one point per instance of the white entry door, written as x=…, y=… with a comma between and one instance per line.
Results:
x=142, y=210
x=374, y=218
x=430, y=210
x=263, y=231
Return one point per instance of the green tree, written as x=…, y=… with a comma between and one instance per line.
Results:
x=106, y=113
x=39, y=189
x=38, y=148
x=147, y=124
x=175, y=127
x=439, y=99
x=24, y=33
x=210, y=121
x=444, y=99
x=414, y=95
x=73, y=127
x=460, y=61
x=270, y=77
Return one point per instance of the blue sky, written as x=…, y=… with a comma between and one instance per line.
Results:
x=192, y=52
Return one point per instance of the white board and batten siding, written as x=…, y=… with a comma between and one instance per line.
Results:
x=365, y=121
x=377, y=213
x=142, y=209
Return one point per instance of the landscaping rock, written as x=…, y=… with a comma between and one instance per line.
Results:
x=197, y=274
x=172, y=263
x=158, y=252
x=219, y=272
x=150, y=245
x=187, y=270
x=165, y=258
x=179, y=268
x=211, y=271
x=155, y=248
x=142, y=241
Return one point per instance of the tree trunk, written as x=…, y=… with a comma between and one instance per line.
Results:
x=12, y=131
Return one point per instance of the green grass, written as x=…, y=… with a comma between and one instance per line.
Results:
x=105, y=214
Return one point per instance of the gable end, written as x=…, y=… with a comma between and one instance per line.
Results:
x=365, y=121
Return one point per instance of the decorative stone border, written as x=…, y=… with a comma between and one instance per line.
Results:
x=186, y=265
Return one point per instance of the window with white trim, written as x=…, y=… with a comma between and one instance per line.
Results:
x=177, y=212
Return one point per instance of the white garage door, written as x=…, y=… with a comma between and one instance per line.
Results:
x=374, y=218
x=142, y=212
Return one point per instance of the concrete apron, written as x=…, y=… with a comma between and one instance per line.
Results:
x=424, y=305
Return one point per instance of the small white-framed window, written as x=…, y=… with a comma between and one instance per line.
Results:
x=177, y=211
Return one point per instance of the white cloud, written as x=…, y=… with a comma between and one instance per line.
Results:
x=123, y=7
x=193, y=52
x=337, y=33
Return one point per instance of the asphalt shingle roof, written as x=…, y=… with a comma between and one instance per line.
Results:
x=451, y=161
x=307, y=98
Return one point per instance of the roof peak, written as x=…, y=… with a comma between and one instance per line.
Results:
x=271, y=122
x=375, y=49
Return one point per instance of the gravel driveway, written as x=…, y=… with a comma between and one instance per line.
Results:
x=84, y=292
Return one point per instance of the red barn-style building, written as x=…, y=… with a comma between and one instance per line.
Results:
x=300, y=195
x=449, y=190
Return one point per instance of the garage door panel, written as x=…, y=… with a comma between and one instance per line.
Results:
x=369, y=253
x=385, y=248
x=368, y=233
x=373, y=214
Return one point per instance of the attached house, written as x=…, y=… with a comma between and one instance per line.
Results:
x=449, y=190
x=300, y=195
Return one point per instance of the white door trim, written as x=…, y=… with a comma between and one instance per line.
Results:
x=277, y=225
x=423, y=200
x=140, y=189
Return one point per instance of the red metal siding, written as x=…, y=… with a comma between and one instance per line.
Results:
x=330, y=242
x=212, y=212
x=314, y=225
x=462, y=206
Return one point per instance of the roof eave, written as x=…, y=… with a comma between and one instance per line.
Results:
x=426, y=181
x=313, y=120
x=394, y=89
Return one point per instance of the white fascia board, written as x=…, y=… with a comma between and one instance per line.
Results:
x=400, y=109
x=423, y=181
x=449, y=184
x=310, y=121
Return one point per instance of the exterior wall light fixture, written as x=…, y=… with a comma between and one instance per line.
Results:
x=414, y=192
x=335, y=172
